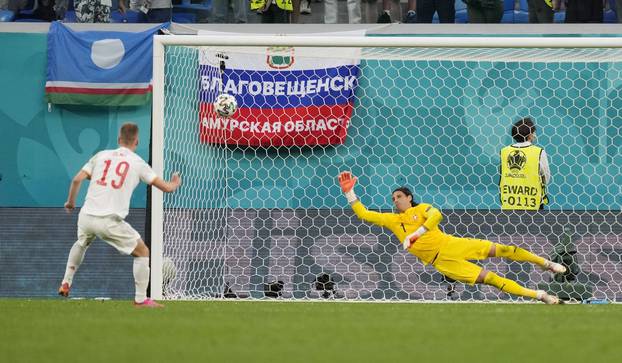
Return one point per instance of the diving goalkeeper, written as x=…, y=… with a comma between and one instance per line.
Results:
x=416, y=225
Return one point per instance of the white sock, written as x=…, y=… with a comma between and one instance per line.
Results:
x=76, y=256
x=141, y=278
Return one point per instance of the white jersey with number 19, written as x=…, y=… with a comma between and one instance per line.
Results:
x=114, y=176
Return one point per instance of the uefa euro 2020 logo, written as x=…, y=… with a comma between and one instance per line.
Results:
x=516, y=160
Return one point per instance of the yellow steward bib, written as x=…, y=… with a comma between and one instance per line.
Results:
x=521, y=185
x=283, y=4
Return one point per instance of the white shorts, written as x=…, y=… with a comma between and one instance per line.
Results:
x=112, y=229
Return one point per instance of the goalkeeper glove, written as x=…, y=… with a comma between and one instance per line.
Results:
x=411, y=238
x=347, y=181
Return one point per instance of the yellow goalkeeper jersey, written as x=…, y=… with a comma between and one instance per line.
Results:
x=427, y=246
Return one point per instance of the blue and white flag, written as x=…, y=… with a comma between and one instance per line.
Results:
x=99, y=67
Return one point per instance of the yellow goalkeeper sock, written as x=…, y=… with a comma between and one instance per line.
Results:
x=509, y=286
x=518, y=254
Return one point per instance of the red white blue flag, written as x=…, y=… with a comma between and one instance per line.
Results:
x=286, y=96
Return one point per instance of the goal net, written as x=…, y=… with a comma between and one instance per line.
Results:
x=260, y=213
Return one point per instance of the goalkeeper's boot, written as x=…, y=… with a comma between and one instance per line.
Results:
x=63, y=290
x=547, y=298
x=148, y=303
x=555, y=267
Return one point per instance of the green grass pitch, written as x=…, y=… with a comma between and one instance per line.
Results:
x=230, y=331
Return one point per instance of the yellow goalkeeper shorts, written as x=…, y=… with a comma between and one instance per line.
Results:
x=453, y=259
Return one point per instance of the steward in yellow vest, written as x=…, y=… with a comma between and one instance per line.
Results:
x=524, y=171
x=282, y=4
x=543, y=11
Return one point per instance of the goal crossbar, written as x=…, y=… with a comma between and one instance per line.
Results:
x=391, y=42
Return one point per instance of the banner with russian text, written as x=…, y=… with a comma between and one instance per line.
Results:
x=286, y=96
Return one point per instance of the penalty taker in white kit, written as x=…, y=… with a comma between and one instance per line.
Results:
x=114, y=175
x=416, y=225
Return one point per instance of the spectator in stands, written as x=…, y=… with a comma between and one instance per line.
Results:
x=45, y=10
x=584, y=11
x=446, y=10
x=273, y=11
x=93, y=11
x=13, y=5
x=484, y=11
x=369, y=10
x=60, y=8
x=305, y=7
x=154, y=11
x=330, y=11
x=385, y=16
x=294, y=17
x=542, y=11
x=224, y=10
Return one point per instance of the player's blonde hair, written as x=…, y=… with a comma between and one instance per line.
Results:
x=128, y=133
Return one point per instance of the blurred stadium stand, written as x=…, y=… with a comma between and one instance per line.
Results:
x=610, y=15
x=188, y=11
x=198, y=11
x=27, y=14
x=7, y=15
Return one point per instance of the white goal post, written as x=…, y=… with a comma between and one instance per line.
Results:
x=430, y=113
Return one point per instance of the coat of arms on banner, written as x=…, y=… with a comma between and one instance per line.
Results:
x=280, y=57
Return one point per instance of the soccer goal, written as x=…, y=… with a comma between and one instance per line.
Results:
x=260, y=213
